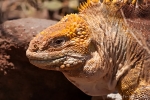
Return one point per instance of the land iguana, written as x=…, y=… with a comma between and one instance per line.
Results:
x=96, y=49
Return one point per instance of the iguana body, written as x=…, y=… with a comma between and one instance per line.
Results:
x=96, y=51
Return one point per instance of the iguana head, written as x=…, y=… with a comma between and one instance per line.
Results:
x=61, y=46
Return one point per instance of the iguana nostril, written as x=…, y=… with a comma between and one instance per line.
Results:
x=34, y=48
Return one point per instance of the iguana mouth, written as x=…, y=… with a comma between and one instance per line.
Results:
x=48, y=62
x=51, y=62
x=45, y=59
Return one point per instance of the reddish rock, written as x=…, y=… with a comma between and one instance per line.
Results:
x=19, y=80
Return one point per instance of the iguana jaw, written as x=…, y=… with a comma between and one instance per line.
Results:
x=59, y=62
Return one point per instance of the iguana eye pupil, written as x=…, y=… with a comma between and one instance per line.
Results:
x=59, y=41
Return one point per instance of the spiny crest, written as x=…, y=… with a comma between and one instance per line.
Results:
x=87, y=4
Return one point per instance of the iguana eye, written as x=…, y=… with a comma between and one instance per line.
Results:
x=58, y=41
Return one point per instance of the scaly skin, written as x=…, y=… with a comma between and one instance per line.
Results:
x=96, y=50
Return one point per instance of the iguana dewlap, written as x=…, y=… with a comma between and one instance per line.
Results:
x=96, y=50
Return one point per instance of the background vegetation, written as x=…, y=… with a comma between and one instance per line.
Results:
x=47, y=9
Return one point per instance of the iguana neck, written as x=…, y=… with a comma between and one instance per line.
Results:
x=118, y=51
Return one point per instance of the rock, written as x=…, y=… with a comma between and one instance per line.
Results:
x=19, y=80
